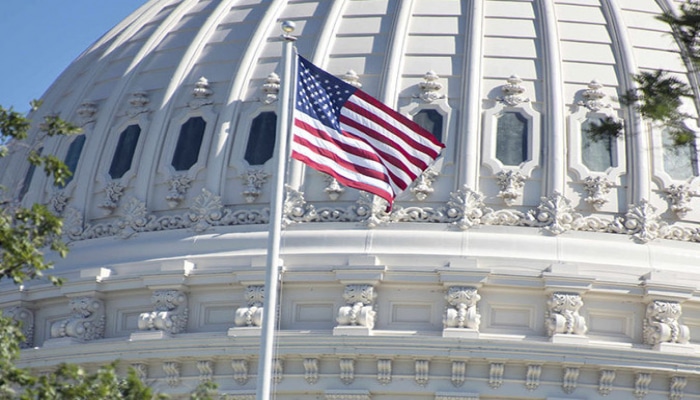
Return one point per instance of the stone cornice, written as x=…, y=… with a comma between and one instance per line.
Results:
x=381, y=345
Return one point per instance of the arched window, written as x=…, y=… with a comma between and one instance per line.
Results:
x=188, y=144
x=431, y=121
x=261, y=138
x=680, y=160
x=596, y=152
x=73, y=156
x=27, y=181
x=124, y=154
x=511, y=138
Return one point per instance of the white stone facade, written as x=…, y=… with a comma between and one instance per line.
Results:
x=545, y=279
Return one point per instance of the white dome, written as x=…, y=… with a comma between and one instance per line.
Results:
x=566, y=261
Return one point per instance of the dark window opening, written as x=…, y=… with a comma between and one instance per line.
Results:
x=73, y=156
x=188, y=144
x=28, y=178
x=124, y=154
x=431, y=121
x=511, y=139
x=261, y=140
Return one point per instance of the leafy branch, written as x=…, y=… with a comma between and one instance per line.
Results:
x=26, y=233
x=604, y=128
x=686, y=27
x=658, y=97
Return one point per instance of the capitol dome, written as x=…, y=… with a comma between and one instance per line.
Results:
x=531, y=261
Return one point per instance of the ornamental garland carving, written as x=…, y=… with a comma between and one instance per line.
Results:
x=512, y=92
x=464, y=209
x=253, y=179
x=169, y=314
x=134, y=218
x=333, y=189
x=86, y=112
x=358, y=311
x=511, y=184
x=252, y=314
x=597, y=188
x=86, y=322
x=416, y=214
x=661, y=324
x=138, y=103
x=295, y=209
x=554, y=214
x=205, y=211
x=113, y=193
x=201, y=94
x=463, y=312
x=372, y=210
x=562, y=315
x=679, y=197
x=270, y=88
x=642, y=222
x=423, y=186
x=429, y=88
x=178, y=185
x=25, y=317
x=352, y=79
x=59, y=201
x=594, y=97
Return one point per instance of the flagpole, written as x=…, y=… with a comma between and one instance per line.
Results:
x=267, y=336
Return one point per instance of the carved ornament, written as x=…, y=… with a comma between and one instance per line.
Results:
x=169, y=314
x=86, y=322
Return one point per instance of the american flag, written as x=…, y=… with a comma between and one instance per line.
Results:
x=351, y=136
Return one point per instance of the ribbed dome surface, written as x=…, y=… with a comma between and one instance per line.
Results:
x=582, y=251
x=568, y=62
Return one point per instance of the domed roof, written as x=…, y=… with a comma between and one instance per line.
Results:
x=511, y=87
x=178, y=105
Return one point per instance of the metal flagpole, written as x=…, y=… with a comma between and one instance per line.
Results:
x=267, y=336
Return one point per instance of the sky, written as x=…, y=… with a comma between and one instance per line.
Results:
x=40, y=38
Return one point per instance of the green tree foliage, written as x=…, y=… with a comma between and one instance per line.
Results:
x=686, y=27
x=25, y=234
x=659, y=97
x=606, y=127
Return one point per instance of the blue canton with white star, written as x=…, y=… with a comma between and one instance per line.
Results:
x=320, y=94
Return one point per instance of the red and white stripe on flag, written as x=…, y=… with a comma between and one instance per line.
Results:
x=351, y=136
